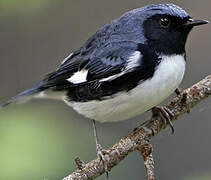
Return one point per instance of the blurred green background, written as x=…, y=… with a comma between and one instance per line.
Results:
x=40, y=139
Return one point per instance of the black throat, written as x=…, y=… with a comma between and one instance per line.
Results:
x=168, y=46
x=166, y=40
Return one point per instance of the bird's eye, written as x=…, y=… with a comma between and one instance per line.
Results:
x=164, y=22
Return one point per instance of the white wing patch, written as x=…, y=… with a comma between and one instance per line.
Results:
x=132, y=62
x=78, y=77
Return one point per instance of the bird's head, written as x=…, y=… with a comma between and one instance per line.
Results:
x=166, y=27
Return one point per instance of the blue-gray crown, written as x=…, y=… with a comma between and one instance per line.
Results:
x=167, y=9
x=129, y=27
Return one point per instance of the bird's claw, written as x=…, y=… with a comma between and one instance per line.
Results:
x=102, y=155
x=165, y=114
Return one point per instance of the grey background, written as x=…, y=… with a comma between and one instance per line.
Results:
x=41, y=138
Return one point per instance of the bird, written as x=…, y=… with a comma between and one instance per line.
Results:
x=129, y=66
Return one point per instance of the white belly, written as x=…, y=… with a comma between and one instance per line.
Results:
x=148, y=94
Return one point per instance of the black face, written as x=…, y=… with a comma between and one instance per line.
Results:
x=166, y=34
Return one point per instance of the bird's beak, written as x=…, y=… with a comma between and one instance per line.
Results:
x=194, y=22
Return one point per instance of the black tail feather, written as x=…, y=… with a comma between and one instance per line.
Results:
x=36, y=89
x=52, y=80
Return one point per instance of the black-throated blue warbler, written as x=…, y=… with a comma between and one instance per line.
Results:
x=126, y=68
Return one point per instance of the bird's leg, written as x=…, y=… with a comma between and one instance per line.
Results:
x=178, y=91
x=100, y=151
x=165, y=114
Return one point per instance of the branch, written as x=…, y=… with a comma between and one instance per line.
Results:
x=139, y=139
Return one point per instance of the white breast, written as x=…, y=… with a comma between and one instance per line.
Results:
x=148, y=94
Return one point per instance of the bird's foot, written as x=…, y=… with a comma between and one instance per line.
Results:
x=103, y=156
x=165, y=114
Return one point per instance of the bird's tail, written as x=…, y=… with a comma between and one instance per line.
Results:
x=32, y=91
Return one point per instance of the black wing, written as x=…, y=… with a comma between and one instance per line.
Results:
x=100, y=64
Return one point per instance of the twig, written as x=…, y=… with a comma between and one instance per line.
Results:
x=139, y=139
x=80, y=164
x=146, y=152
